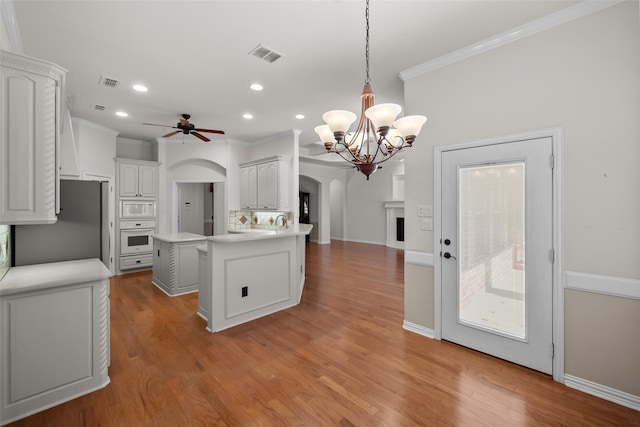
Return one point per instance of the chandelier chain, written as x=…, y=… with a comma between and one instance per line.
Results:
x=366, y=15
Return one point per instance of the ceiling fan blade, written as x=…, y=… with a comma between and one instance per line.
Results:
x=221, y=132
x=170, y=134
x=164, y=126
x=197, y=135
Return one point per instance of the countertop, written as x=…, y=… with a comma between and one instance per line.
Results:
x=295, y=230
x=53, y=274
x=179, y=237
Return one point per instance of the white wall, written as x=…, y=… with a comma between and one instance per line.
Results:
x=583, y=76
x=324, y=176
x=366, y=215
x=96, y=147
x=192, y=162
x=338, y=203
x=127, y=148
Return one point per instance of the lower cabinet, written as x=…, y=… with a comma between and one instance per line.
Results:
x=175, y=262
x=54, y=335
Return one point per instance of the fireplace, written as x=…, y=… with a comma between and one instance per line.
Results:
x=395, y=223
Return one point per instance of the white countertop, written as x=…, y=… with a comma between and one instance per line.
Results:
x=295, y=230
x=179, y=237
x=53, y=274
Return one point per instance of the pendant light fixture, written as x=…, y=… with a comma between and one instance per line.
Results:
x=378, y=137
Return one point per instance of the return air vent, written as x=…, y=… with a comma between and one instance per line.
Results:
x=265, y=53
x=109, y=82
x=98, y=107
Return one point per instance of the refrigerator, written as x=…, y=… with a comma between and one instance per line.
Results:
x=81, y=231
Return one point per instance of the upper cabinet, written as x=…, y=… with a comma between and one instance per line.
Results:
x=137, y=179
x=30, y=118
x=265, y=184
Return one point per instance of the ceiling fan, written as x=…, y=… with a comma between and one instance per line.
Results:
x=187, y=128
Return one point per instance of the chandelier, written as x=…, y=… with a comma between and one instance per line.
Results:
x=378, y=137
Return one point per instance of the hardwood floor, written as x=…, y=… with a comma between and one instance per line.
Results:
x=340, y=358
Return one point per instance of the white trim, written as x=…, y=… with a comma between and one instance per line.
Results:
x=420, y=330
x=557, y=137
x=603, y=392
x=607, y=285
x=11, y=25
x=365, y=241
x=536, y=26
x=418, y=258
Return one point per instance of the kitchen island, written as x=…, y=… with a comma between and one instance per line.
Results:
x=175, y=262
x=252, y=274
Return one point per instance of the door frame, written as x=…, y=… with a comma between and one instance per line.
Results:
x=556, y=135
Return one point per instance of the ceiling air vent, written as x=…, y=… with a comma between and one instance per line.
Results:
x=265, y=53
x=98, y=107
x=109, y=82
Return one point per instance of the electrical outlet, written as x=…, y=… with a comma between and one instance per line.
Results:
x=245, y=291
x=425, y=210
x=426, y=224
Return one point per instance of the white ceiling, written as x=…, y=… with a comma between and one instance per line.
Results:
x=193, y=56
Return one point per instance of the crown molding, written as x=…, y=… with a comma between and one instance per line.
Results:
x=11, y=25
x=536, y=26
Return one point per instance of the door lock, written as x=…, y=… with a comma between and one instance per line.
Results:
x=447, y=242
x=447, y=255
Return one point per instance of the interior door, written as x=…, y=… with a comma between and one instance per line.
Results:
x=496, y=250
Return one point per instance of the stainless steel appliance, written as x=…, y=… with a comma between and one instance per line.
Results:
x=131, y=209
x=135, y=237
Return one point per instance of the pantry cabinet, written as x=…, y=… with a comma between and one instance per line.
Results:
x=265, y=184
x=136, y=179
x=30, y=119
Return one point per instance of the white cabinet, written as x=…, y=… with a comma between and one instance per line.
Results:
x=137, y=179
x=265, y=184
x=54, y=335
x=30, y=112
x=175, y=262
x=248, y=187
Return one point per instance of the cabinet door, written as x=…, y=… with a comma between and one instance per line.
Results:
x=268, y=185
x=128, y=178
x=147, y=181
x=248, y=188
x=28, y=148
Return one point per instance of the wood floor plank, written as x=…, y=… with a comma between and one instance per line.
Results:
x=339, y=358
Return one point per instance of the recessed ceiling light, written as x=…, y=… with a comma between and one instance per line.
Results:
x=121, y=114
x=256, y=86
x=299, y=116
x=247, y=116
x=140, y=88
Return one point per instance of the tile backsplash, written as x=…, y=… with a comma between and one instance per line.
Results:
x=261, y=220
x=5, y=249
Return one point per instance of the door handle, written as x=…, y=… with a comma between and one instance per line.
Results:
x=447, y=255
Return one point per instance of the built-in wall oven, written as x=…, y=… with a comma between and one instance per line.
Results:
x=135, y=237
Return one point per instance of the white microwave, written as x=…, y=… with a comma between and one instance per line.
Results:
x=137, y=209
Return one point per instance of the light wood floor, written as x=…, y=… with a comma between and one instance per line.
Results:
x=340, y=358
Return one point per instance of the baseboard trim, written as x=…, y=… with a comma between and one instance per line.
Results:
x=607, y=393
x=418, y=329
x=607, y=285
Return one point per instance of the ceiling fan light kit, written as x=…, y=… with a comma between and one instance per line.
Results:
x=187, y=128
x=378, y=137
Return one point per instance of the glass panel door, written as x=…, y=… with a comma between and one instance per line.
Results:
x=491, y=255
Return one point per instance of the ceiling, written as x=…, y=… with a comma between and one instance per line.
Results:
x=194, y=56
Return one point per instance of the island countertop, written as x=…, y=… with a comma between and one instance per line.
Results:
x=178, y=237
x=295, y=230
